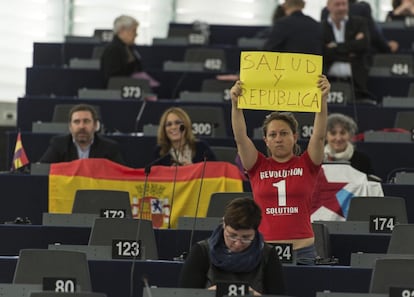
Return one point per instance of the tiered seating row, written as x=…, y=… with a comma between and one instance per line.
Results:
x=59, y=81
x=138, y=151
x=27, y=196
x=103, y=278
x=40, y=108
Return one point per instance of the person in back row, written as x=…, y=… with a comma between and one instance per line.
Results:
x=120, y=58
x=296, y=32
x=176, y=143
x=378, y=42
x=235, y=252
x=400, y=10
x=278, y=13
x=83, y=141
x=346, y=47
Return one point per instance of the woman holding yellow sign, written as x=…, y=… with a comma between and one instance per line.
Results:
x=283, y=183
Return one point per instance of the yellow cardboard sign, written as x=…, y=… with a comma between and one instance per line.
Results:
x=280, y=81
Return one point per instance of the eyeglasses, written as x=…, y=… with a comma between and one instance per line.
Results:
x=177, y=123
x=233, y=238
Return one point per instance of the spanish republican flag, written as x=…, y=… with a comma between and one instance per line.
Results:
x=65, y=178
x=19, y=158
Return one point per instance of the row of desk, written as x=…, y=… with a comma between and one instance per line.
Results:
x=113, y=277
x=229, y=34
x=60, y=81
x=153, y=57
x=121, y=115
x=171, y=243
x=138, y=150
x=25, y=195
x=58, y=55
x=221, y=36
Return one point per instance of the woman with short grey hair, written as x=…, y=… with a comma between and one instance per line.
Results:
x=120, y=57
x=339, y=147
x=124, y=22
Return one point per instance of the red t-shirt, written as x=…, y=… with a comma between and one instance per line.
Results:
x=284, y=192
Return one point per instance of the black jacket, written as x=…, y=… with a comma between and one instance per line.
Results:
x=62, y=149
x=202, y=150
x=198, y=272
x=378, y=41
x=351, y=50
x=296, y=33
x=362, y=162
x=114, y=60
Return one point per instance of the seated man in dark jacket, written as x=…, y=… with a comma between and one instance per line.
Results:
x=82, y=142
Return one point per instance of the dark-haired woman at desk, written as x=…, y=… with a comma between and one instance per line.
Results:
x=235, y=252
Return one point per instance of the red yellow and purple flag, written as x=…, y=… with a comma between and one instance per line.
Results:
x=19, y=158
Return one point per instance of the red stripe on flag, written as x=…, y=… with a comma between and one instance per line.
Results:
x=106, y=169
x=19, y=158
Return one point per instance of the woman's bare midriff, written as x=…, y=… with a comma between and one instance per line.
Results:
x=296, y=243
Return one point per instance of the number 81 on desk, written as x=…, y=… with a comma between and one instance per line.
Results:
x=232, y=289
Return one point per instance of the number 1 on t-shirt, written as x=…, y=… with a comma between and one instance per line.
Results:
x=281, y=192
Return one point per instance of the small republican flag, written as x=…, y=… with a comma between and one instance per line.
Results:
x=19, y=158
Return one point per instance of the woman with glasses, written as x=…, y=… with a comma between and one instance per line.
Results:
x=235, y=252
x=176, y=143
x=283, y=183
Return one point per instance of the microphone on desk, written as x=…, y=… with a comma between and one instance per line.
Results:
x=184, y=254
x=178, y=84
x=203, y=171
x=139, y=115
x=147, y=171
x=182, y=129
x=146, y=285
x=147, y=168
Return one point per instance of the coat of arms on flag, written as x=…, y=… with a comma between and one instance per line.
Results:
x=19, y=158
